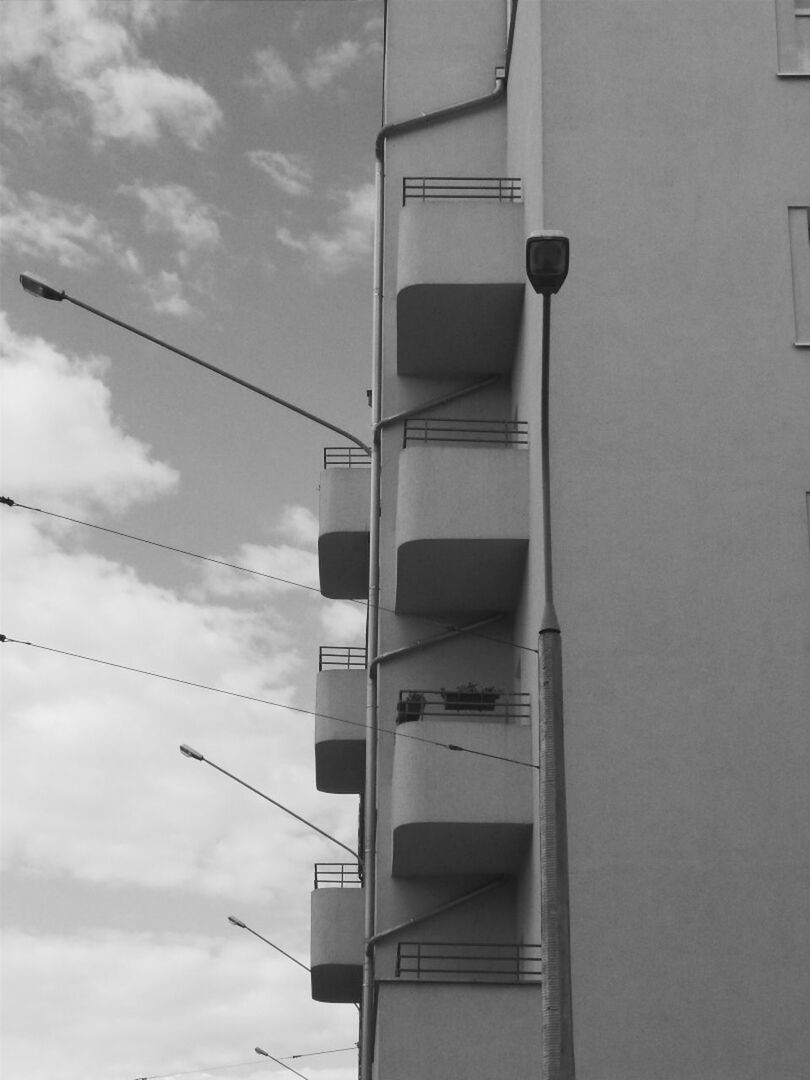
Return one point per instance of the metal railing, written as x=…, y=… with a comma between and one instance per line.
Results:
x=502, y=188
x=422, y=429
x=347, y=657
x=345, y=457
x=490, y=706
x=468, y=961
x=337, y=875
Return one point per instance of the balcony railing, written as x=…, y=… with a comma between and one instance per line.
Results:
x=345, y=457
x=342, y=657
x=507, y=189
x=487, y=705
x=424, y=429
x=468, y=962
x=330, y=875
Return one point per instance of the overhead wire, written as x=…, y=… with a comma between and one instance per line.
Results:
x=5, y=639
x=8, y=501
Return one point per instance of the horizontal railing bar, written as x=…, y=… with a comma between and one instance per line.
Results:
x=503, y=188
x=351, y=457
x=341, y=656
x=469, y=960
x=459, y=430
x=337, y=875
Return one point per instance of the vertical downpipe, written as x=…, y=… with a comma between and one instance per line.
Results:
x=372, y=648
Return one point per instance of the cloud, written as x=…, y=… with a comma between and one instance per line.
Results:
x=62, y=442
x=177, y=211
x=348, y=241
x=49, y=228
x=294, y=560
x=272, y=76
x=91, y=51
x=166, y=294
x=329, y=63
x=137, y=103
x=343, y=623
x=289, y=172
x=107, y=995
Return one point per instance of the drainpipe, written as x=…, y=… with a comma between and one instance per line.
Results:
x=389, y=131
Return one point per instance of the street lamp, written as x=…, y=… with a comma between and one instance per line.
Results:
x=278, y=1061
x=547, y=256
x=190, y=752
x=244, y=926
x=37, y=287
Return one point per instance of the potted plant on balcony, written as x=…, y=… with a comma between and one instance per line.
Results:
x=410, y=706
x=470, y=697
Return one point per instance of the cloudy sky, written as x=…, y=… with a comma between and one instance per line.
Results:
x=202, y=170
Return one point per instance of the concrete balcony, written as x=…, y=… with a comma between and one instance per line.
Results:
x=457, y=813
x=340, y=747
x=336, y=938
x=433, y=1030
x=462, y=528
x=344, y=531
x=460, y=287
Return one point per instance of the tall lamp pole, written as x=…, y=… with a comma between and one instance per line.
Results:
x=547, y=254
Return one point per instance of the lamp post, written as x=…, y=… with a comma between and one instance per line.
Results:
x=547, y=256
x=36, y=287
x=244, y=926
x=195, y=755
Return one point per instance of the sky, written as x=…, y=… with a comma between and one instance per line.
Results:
x=202, y=170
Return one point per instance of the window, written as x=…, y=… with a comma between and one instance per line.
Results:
x=799, y=226
x=793, y=38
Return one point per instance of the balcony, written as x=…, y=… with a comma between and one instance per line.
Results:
x=433, y=1030
x=455, y=812
x=340, y=702
x=460, y=279
x=344, y=523
x=462, y=516
x=336, y=940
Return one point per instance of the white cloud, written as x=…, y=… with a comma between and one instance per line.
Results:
x=272, y=76
x=107, y=996
x=49, y=228
x=96, y=790
x=176, y=210
x=91, y=49
x=167, y=295
x=289, y=172
x=343, y=623
x=329, y=63
x=60, y=436
x=294, y=561
x=348, y=241
x=138, y=103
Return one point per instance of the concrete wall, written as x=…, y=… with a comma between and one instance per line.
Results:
x=435, y=1032
x=670, y=151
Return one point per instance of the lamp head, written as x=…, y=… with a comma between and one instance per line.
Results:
x=547, y=252
x=39, y=288
x=189, y=751
x=259, y=1050
x=236, y=922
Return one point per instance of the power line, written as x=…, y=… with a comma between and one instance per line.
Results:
x=4, y=639
x=7, y=501
x=4, y=499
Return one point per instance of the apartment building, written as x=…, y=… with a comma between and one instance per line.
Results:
x=669, y=140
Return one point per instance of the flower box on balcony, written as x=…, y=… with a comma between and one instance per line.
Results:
x=470, y=698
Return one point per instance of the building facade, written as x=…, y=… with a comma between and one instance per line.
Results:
x=670, y=141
